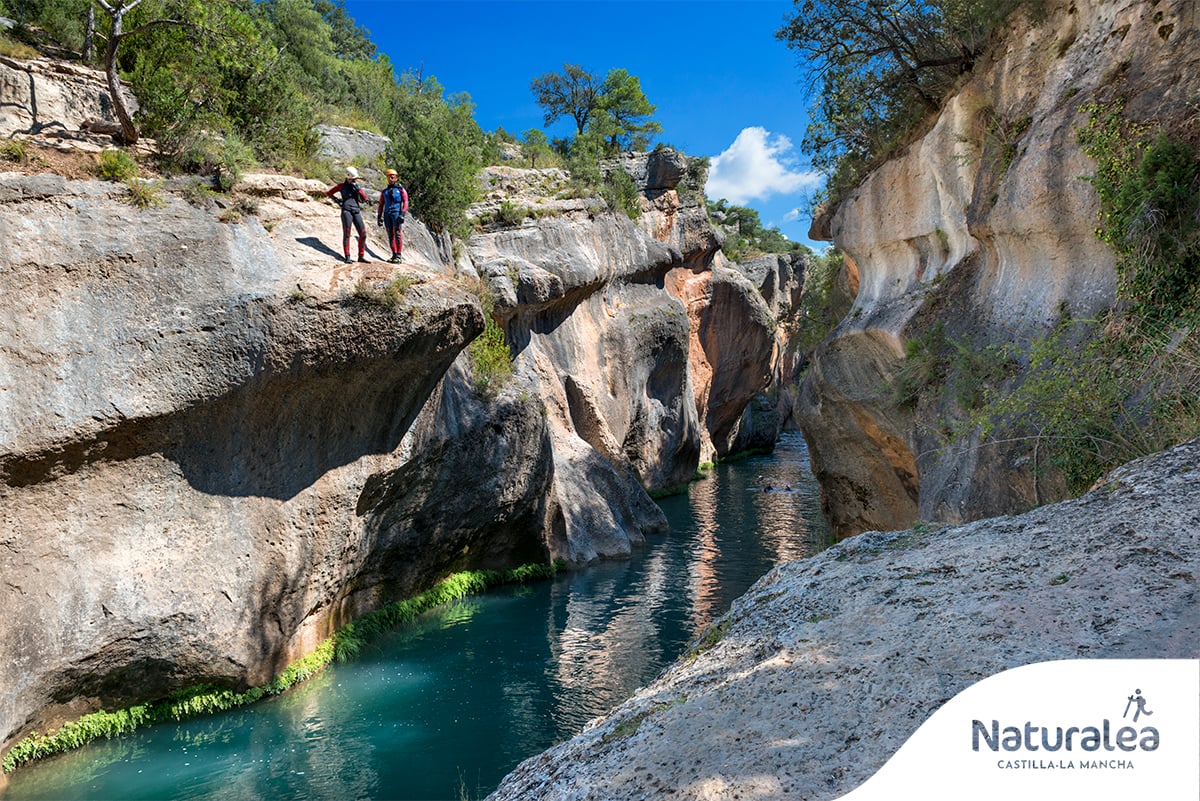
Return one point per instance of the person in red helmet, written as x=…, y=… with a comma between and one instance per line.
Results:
x=393, y=205
x=351, y=198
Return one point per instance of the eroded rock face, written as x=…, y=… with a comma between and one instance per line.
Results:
x=350, y=144
x=605, y=351
x=43, y=97
x=190, y=420
x=993, y=242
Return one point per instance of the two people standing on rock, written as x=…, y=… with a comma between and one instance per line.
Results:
x=393, y=205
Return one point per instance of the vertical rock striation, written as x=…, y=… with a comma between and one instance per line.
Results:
x=982, y=225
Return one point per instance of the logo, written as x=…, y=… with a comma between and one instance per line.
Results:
x=1101, y=735
x=1101, y=729
x=1141, y=706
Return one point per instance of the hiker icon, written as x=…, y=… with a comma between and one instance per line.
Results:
x=1141, y=706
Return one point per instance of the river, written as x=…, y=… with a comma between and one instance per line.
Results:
x=445, y=707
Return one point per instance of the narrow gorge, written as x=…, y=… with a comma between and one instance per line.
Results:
x=220, y=443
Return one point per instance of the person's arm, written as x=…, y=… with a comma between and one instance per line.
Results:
x=404, y=200
x=379, y=211
x=334, y=191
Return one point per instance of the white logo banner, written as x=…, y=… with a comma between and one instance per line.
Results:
x=1086, y=728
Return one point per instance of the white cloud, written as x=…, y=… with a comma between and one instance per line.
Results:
x=757, y=165
x=794, y=215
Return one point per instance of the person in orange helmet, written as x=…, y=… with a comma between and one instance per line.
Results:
x=393, y=205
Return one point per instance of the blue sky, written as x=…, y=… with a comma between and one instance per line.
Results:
x=724, y=86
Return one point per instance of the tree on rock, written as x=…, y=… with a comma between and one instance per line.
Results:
x=615, y=109
x=624, y=112
x=573, y=93
x=117, y=10
x=535, y=145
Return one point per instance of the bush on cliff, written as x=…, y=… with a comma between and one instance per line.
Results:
x=879, y=69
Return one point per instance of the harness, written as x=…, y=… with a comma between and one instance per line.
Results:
x=393, y=201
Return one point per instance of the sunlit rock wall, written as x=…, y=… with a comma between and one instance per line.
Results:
x=983, y=225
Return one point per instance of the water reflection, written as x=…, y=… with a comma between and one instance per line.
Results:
x=455, y=700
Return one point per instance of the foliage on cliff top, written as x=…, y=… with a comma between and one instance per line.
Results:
x=613, y=111
x=878, y=69
x=237, y=82
x=745, y=235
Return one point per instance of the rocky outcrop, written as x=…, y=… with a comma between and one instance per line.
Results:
x=785, y=705
x=190, y=419
x=350, y=144
x=984, y=226
x=219, y=441
x=49, y=101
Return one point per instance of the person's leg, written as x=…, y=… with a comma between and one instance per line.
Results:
x=362, y=236
x=347, y=218
x=395, y=238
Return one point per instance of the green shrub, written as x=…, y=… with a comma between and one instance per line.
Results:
x=14, y=150
x=1097, y=394
x=116, y=165
x=621, y=194
x=1149, y=189
x=198, y=193
x=510, y=214
x=491, y=364
x=924, y=367
x=388, y=295
x=11, y=48
x=144, y=194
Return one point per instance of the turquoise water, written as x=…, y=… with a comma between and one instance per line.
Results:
x=444, y=708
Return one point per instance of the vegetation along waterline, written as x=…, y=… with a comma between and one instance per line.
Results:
x=343, y=644
x=463, y=692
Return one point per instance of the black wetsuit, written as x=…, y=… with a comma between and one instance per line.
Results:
x=352, y=196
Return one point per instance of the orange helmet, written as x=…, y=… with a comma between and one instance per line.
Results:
x=392, y=174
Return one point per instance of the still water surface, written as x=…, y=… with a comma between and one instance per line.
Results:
x=444, y=708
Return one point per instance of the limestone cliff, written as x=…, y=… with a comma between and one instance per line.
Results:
x=982, y=225
x=190, y=412
x=218, y=441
